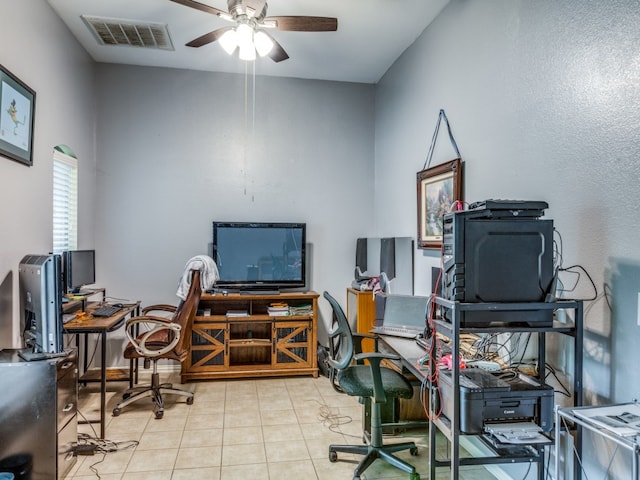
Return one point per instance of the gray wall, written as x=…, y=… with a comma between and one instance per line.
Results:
x=177, y=151
x=543, y=98
x=37, y=47
x=544, y=102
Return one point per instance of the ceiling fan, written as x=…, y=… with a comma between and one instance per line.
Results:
x=249, y=34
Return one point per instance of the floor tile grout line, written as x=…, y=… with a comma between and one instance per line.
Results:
x=262, y=393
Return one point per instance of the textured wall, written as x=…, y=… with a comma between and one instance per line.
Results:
x=37, y=48
x=544, y=100
x=176, y=151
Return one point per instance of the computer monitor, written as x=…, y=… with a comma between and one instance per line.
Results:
x=79, y=269
x=41, y=303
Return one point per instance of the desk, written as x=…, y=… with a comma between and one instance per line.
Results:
x=102, y=326
x=408, y=351
x=631, y=443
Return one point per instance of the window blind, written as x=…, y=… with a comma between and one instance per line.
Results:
x=65, y=202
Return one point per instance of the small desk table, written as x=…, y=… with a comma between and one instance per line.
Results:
x=631, y=443
x=102, y=326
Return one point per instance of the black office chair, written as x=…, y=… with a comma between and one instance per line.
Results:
x=374, y=381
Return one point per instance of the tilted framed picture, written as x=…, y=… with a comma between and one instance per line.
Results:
x=17, y=109
x=439, y=188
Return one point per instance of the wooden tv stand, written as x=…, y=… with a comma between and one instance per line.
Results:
x=235, y=337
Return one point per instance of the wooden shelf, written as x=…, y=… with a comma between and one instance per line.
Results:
x=254, y=345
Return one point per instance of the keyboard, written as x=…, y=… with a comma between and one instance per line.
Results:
x=394, y=331
x=106, y=310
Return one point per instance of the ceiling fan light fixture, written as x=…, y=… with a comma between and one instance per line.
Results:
x=249, y=34
x=229, y=41
x=247, y=52
x=244, y=35
x=263, y=43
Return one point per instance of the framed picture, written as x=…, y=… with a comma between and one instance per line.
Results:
x=17, y=107
x=438, y=188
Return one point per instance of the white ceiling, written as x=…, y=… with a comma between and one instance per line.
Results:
x=371, y=35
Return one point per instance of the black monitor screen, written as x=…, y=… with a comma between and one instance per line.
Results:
x=79, y=269
x=269, y=255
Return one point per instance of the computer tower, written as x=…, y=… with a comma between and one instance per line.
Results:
x=40, y=281
x=489, y=258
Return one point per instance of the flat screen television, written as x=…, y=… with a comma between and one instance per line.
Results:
x=260, y=256
x=79, y=269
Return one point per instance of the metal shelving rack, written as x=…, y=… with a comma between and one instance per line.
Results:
x=629, y=443
x=451, y=427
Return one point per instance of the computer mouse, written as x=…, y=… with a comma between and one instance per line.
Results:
x=119, y=305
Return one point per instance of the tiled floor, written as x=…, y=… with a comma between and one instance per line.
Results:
x=265, y=429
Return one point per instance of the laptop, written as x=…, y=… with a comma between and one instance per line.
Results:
x=404, y=316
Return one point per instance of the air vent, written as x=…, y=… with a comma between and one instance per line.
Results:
x=116, y=31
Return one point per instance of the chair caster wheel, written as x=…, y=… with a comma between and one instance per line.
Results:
x=125, y=396
x=189, y=400
x=159, y=415
x=116, y=412
x=414, y=476
x=333, y=456
x=414, y=452
x=356, y=477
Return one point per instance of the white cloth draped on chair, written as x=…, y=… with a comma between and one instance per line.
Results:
x=208, y=274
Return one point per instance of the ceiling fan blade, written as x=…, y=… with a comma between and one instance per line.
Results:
x=208, y=37
x=303, y=24
x=202, y=7
x=277, y=53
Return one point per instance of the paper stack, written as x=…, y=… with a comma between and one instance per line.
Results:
x=301, y=310
x=278, y=309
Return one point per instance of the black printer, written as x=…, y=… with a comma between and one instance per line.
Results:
x=488, y=398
